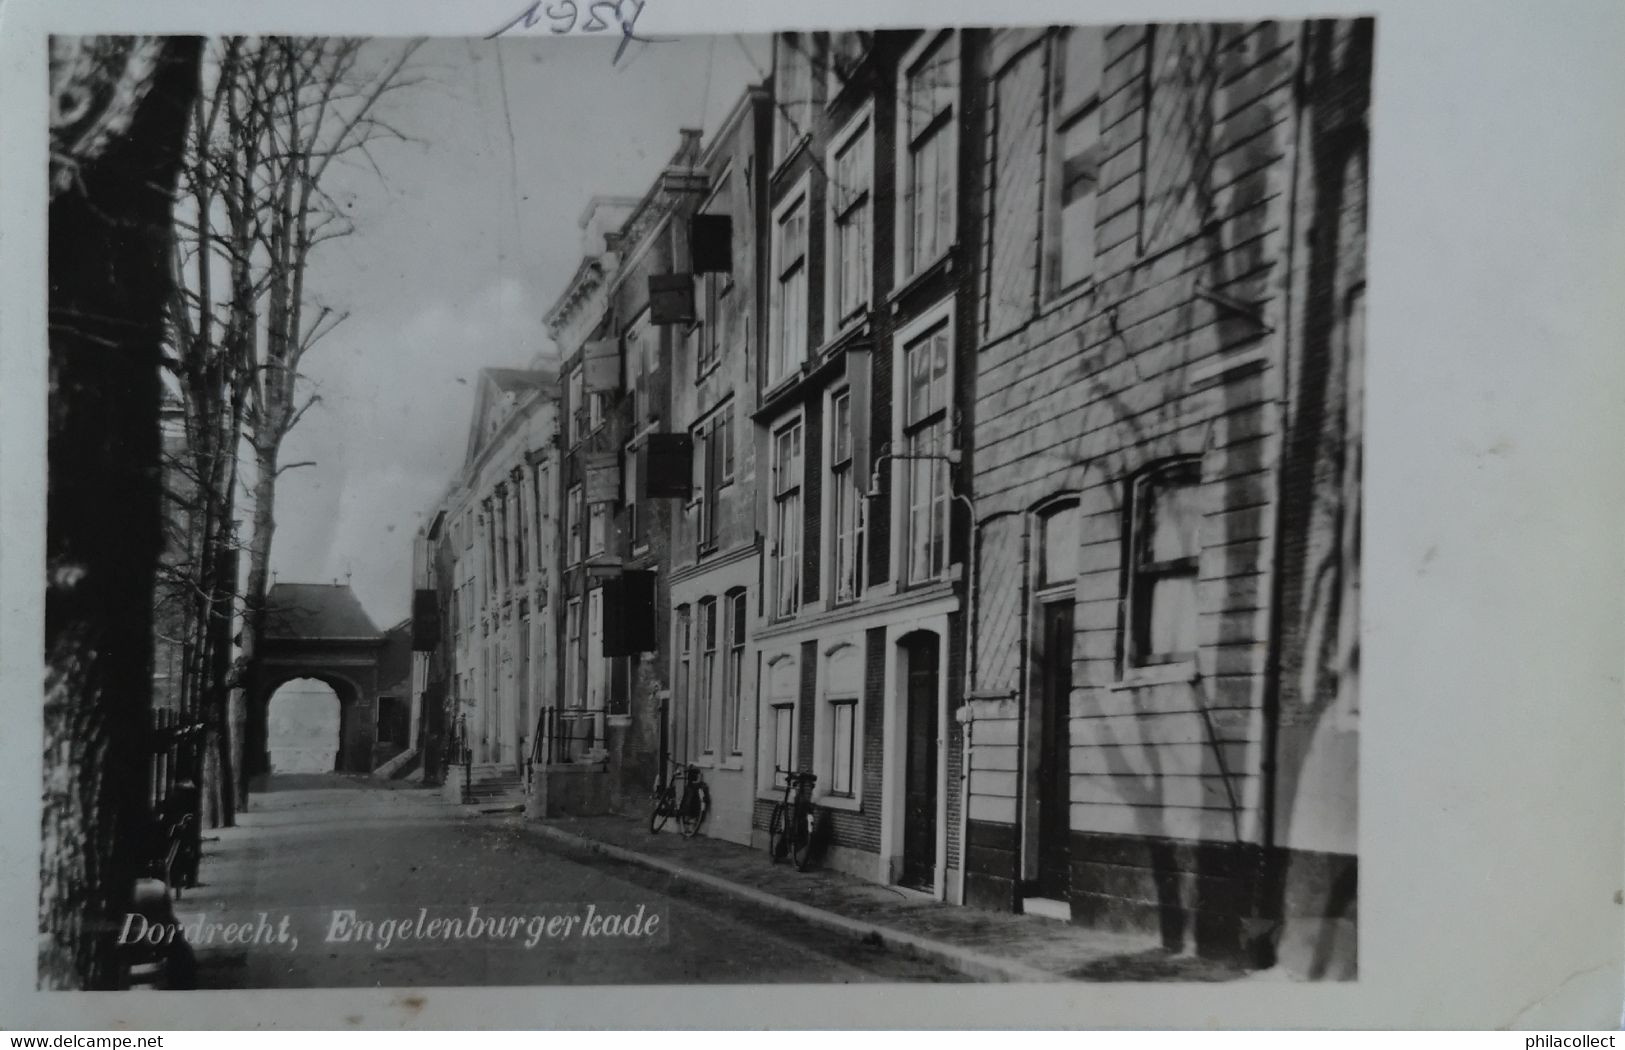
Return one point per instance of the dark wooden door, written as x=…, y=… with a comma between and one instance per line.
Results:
x=920, y=767
x=1054, y=756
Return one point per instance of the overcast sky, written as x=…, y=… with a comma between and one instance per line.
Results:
x=457, y=254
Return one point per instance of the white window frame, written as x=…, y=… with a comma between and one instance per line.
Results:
x=713, y=290
x=575, y=529
x=713, y=436
x=1056, y=125
x=733, y=668
x=776, y=495
x=941, y=314
x=1137, y=666
x=861, y=124
x=768, y=783
x=830, y=569
x=907, y=268
x=682, y=678
x=708, y=645
x=830, y=702
x=597, y=664
x=784, y=360
x=577, y=396
x=597, y=529
x=573, y=694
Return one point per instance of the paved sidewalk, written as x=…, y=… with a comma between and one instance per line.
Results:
x=981, y=945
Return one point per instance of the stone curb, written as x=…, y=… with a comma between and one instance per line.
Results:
x=978, y=965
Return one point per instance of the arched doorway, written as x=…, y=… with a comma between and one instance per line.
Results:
x=303, y=722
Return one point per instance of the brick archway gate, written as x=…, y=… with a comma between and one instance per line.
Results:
x=320, y=631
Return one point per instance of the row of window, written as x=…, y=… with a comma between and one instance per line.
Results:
x=1165, y=519
x=921, y=474
x=928, y=176
x=836, y=722
x=512, y=523
x=710, y=645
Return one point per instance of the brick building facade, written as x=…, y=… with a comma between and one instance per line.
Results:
x=1019, y=407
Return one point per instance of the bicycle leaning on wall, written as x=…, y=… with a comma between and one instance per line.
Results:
x=684, y=796
x=791, y=831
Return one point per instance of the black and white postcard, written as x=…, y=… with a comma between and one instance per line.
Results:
x=643, y=495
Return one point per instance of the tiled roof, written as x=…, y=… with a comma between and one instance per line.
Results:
x=316, y=610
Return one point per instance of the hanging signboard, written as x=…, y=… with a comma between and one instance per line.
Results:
x=601, y=367
x=602, y=483
x=668, y=467
x=857, y=379
x=710, y=243
x=671, y=298
x=629, y=614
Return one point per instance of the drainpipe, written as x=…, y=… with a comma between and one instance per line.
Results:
x=1270, y=770
x=964, y=715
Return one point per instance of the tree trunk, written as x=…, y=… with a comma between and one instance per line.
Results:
x=117, y=133
x=259, y=572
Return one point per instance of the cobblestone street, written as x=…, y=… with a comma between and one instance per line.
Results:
x=311, y=847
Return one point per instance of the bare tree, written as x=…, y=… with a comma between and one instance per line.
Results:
x=274, y=116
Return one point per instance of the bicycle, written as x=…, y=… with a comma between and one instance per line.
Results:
x=790, y=832
x=690, y=807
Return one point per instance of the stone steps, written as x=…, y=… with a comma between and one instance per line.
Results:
x=494, y=788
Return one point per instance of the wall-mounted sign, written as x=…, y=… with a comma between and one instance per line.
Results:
x=671, y=298
x=667, y=470
x=710, y=243
x=602, y=483
x=601, y=367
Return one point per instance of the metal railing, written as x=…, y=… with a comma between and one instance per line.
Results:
x=175, y=797
x=569, y=735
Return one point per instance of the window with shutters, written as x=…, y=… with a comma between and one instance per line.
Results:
x=597, y=663
x=1074, y=155
x=927, y=93
x=786, y=539
x=597, y=528
x=851, y=220
x=573, y=505
x=1165, y=546
x=576, y=407
x=572, y=653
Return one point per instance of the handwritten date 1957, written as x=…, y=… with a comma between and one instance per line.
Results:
x=566, y=16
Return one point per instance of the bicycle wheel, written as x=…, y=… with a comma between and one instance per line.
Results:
x=665, y=804
x=778, y=844
x=696, y=804
x=801, y=837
